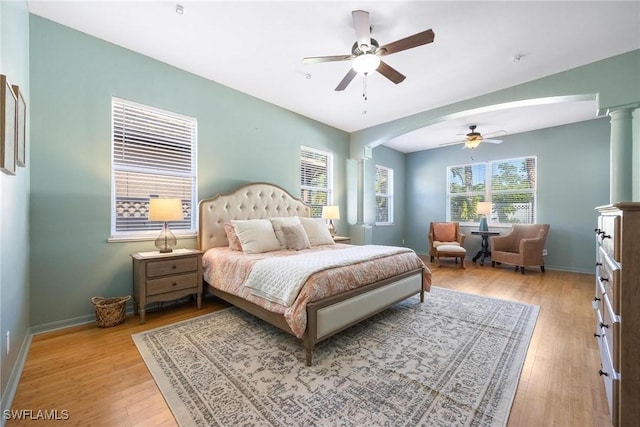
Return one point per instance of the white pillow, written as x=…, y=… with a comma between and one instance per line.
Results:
x=283, y=221
x=256, y=235
x=317, y=231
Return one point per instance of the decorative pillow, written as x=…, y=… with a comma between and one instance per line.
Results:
x=295, y=237
x=232, y=237
x=317, y=231
x=444, y=232
x=280, y=222
x=256, y=235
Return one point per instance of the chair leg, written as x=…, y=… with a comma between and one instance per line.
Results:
x=542, y=268
x=431, y=259
x=521, y=269
x=461, y=262
x=493, y=264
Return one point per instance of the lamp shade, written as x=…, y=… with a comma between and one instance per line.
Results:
x=484, y=208
x=331, y=212
x=165, y=209
x=366, y=63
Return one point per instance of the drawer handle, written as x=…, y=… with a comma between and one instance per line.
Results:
x=601, y=372
x=604, y=279
x=597, y=230
x=598, y=264
x=604, y=325
x=174, y=284
x=173, y=267
x=605, y=236
x=597, y=335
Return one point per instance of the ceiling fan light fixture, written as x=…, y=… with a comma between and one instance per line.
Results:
x=366, y=63
x=472, y=143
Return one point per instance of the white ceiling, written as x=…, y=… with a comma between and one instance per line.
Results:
x=257, y=48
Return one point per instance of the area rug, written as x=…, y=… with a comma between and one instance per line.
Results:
x=454, y=360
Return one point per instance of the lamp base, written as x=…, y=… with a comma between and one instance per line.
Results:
x=166, y=240
x=483, y=224
x=332, y=229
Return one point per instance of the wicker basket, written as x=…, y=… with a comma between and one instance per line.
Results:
x=109, y=311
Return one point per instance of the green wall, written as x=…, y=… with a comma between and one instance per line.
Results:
x=14, y=212
x=73, y=77
x=388, y=234
x=573, y=178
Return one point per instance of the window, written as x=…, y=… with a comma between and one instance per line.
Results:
x=153, y=155
x=510, y=186
x=384, y=195
x=316, y=179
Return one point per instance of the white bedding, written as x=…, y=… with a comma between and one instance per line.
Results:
x=280, y=279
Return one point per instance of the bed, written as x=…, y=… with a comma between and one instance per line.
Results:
x=346, y=285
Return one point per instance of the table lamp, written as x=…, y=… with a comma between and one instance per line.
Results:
x=331, y=213
x=165, y=210
x=484, y=209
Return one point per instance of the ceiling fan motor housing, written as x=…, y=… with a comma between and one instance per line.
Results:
x=357, y=51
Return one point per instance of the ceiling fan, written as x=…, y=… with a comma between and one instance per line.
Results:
x=366, y=52
x=473, y=138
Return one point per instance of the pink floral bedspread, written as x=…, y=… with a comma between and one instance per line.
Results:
x=227, y=270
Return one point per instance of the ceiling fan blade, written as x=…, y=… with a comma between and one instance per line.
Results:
x=390, y=72
x=492, y=141
x=318, y=59
x=407, y=43
x=346, y=80
x=363, y=28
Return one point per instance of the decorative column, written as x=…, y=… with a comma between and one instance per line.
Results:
x=621, y=162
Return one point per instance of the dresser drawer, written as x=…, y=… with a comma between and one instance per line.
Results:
x=608, y=276
x=608, y=375
x=172, y=283
x=172, y=266
x=609, y=235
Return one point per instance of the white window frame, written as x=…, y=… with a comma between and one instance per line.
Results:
x=140, y=175
x=388, y=195
x=307, y=191
x=488, y=194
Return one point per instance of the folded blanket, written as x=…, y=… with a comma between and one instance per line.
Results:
x=280, y=279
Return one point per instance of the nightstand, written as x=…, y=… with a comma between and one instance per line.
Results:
x=165, y=277
x=342, y=239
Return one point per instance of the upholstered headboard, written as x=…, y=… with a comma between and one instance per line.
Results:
x=251, y=201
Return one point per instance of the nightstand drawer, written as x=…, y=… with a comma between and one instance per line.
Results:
x=172, y=283
x=172, y=266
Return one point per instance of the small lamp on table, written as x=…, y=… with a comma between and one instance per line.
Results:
x=331, y=213
x=484, y=209
x=162, y=209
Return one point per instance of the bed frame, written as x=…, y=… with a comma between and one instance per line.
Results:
x=325, y=317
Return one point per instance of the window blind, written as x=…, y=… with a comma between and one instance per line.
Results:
x=316, y=170
x=153, y=156
x=384, y=194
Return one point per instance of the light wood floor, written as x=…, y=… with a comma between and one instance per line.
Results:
x=98, y=376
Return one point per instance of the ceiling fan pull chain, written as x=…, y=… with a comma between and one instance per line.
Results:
x=364, y=86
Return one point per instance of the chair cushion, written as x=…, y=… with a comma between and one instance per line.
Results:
x=444, y=232
x=451, y=249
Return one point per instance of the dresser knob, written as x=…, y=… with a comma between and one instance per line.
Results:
x=173, y=267
x=603, y=373
x=174, y=284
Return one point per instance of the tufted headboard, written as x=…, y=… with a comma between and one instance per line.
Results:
x=251, y=201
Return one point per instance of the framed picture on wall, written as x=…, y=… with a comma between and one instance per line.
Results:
x=21, y=127
x=8, y=103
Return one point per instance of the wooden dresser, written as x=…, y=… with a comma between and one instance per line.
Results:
x=617, y=307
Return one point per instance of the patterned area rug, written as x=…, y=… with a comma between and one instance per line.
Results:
x=454, y=360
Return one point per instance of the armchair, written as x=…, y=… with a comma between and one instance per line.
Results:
x=522, y=247
x=444, y=233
